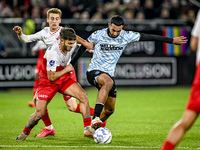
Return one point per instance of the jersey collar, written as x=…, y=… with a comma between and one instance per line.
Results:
x=61, y=50
x=55, y=31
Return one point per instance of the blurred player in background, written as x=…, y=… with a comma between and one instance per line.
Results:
x=50, y=35
x=41, y=48
x=55, y=77
x=192, y=109
x=109, y=45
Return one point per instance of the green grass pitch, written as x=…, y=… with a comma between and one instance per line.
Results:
x=142, y=120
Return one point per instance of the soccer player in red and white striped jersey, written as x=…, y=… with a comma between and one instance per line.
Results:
x=50, y=35
x=192, y=109
x=55, y=77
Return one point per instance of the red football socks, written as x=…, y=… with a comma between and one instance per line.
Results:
x=46, y=119
x=87, y=121
x=78, y=110
x=27, y=130
x=168, y=146
x=91, y=111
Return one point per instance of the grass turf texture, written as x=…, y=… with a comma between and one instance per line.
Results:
x=142, y=120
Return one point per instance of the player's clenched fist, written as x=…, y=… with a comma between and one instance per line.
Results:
x=18, y=30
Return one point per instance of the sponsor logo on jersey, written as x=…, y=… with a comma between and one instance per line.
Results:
x=52, y=62
x=110, y=47
x=42, y=96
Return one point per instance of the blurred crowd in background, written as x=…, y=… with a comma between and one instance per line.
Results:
x=30, y=11
x=86, y=16
x=101, y=9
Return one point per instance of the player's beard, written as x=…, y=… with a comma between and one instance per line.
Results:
x=66, y=48
x=111, y=35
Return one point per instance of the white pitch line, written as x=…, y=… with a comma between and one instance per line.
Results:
x=102, y=146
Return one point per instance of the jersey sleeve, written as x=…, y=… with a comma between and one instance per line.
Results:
x=39, y=45
x=132, y=36
x=30, y=38
x=52, y=61
x=93, y=37
x=196, y=28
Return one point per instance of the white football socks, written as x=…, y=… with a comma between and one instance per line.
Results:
x=49, y=127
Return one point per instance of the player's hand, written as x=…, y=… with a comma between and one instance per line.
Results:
x=90, y=51
x=180, y=40
x=69, y=68
x=90, y=47
x=18, y=30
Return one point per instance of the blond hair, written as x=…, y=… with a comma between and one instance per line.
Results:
x=54, y=11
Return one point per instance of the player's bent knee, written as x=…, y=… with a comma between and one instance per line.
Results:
x=83, y=97
x=109, y=83
x=71, y=107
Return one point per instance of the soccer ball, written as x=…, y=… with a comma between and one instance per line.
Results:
x=102, y=136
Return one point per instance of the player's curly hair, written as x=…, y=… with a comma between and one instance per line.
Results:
x=117, y=20
x=54, y=11
x=67, y=34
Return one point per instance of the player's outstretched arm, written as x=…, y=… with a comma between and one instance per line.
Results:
x=152, y=37
x=27, y=38
x=179, y=40
x=18, y=30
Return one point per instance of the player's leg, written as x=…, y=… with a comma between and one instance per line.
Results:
x=76, y=91
x=49, y=129
x=71, y=103
x=46, y=92
x=109, y=106
x=41, y=106
x=108, y=109
x=73, y=106
x=179, y=129
x=72, y=88
x=36, y=82
x=105, y=84
x=38, y=67
x=189, y=116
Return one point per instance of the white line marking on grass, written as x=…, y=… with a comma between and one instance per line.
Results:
x=63, y=146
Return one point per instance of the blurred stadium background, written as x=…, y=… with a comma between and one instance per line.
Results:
x=150, y=111
x=142, y=64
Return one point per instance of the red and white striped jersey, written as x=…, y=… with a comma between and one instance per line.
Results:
x=55, y=60
x=45, y=35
